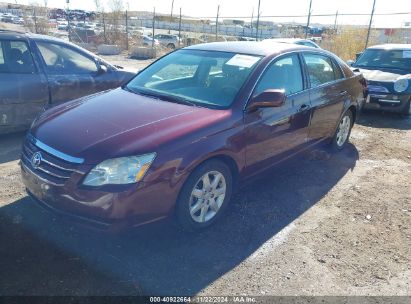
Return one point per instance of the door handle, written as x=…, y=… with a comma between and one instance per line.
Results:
x=342, y=93
x=303, y=108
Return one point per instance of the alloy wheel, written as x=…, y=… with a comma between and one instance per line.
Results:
x=207, y=196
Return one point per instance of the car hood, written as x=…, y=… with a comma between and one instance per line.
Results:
x=119, y=123
x=383, y=75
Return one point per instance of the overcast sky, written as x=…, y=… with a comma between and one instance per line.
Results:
x=232, y=8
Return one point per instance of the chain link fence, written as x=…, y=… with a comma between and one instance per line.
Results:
x=129, y=30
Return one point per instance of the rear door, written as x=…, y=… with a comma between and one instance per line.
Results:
x=71, y=73
x=23, y=88
x=273, y=134
x=327, y=94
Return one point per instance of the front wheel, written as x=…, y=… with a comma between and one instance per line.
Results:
x=205, y=195
x=342, y=134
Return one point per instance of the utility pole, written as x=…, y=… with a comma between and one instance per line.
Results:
x=216, y=23
x=369, y=26
x=171, y=15
x=308, y=19
x=335, y=22
x=258, y=20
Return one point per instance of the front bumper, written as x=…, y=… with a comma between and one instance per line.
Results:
x=56, y=183
x=387, y=102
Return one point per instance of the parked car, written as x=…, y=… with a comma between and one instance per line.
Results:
x=148, y=41
x=40, y=71
x=387, y=69
x=170, y=41
x=181, y=135
x=298, y=41
x=80, y=34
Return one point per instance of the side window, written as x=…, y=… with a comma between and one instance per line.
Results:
x=60, y=59
x=283, y=74
x=320, y=69
x=15, y=58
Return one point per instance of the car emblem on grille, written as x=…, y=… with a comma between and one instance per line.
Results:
x=36, y=160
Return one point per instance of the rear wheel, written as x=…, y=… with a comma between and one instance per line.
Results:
x=205, y=195
x=342, y=134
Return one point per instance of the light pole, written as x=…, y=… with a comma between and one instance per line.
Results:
x=308, y=19
x=258, y=20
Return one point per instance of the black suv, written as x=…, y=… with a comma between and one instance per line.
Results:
x=39, y=71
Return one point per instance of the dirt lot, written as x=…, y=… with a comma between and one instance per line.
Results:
x=325, y=224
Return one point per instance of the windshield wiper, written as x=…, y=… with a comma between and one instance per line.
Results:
x=156, y=95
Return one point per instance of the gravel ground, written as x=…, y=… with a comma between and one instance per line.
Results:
x=323, y=224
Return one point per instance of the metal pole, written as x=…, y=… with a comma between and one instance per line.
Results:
x=179, y=29
x=369, y=26
x=216, y=23
x=126, y=30
x=258, y=21
x=68, y=19
x=171, y=15
x=35, y=20
x=154, y=18
x=308, y=19
x=251, y=23
x=335, y=22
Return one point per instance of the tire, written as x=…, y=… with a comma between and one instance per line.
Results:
x=171, y=46
x=195, y=210
x=407, y=109
x=342, y=134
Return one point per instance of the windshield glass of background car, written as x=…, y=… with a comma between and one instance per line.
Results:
x=398, y=59
x=206, y=78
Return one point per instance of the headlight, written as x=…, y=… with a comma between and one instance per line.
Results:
x=400, y=85
x=119, y=171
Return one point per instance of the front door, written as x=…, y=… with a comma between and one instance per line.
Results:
x=71, y=74
x=273, y=134
x=23, y=89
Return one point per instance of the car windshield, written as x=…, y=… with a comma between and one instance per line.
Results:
x=389, y=59
x=204, y=78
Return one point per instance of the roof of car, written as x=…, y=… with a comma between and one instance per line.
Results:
x=17, y=35
x=260, y=48
x=391, y=46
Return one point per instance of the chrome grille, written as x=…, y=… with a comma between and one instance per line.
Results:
x=52, y=169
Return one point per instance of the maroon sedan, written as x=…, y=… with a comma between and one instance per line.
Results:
x=186, y=130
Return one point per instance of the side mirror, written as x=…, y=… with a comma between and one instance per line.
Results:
x=267, y=99
x=350, y=62
x=102, y=69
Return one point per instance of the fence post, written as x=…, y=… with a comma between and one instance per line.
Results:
x=369, y=26
x=126, y=30
x=179, y=29
x=258, y=20
x=216, y=23
x=35, y=19
x=104, y=28
x=308, y=19
x=154, y=20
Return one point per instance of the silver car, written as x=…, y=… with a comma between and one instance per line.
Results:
x=168, y=40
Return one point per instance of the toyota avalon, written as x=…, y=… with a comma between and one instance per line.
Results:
x=180, y=136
